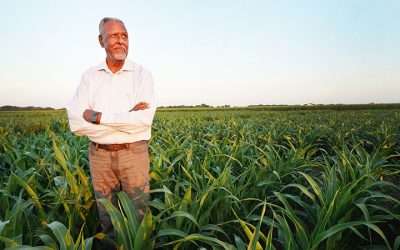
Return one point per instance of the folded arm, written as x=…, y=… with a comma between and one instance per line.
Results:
x=75, y=110
x=140, y=117
x=81, y=127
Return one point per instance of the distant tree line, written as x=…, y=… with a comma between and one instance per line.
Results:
x=27, y=108
x=272, y=107
x=283, y=107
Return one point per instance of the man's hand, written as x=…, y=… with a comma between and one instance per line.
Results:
x=140, y=106
x=88, y=115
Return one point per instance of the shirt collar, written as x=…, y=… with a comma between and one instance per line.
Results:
x=128, y=66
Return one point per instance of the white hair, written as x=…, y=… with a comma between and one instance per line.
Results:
x=108, y=19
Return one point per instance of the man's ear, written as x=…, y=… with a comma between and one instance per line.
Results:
x=101, y=41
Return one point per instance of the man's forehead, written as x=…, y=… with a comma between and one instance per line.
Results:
x=110, y=25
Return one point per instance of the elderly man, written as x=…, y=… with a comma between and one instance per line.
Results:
x=114, y=106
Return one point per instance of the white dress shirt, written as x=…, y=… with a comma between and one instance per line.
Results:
x=114, y=94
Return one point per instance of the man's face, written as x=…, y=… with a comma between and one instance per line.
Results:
x=115, y=41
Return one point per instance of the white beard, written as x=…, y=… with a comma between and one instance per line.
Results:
x=120, y=56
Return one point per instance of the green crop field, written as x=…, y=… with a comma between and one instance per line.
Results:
x=224, y=179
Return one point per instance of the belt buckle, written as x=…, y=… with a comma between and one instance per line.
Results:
x=118, y=147
x=124, y=146
x=109, y=147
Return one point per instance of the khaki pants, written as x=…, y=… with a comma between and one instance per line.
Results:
x=126, y=170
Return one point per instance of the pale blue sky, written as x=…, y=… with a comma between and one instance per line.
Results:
x=214, y=52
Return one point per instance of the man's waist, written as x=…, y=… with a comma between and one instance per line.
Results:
x=118, y=146
x=121, y=138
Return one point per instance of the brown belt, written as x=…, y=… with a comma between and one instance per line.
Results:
x=112, y=147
